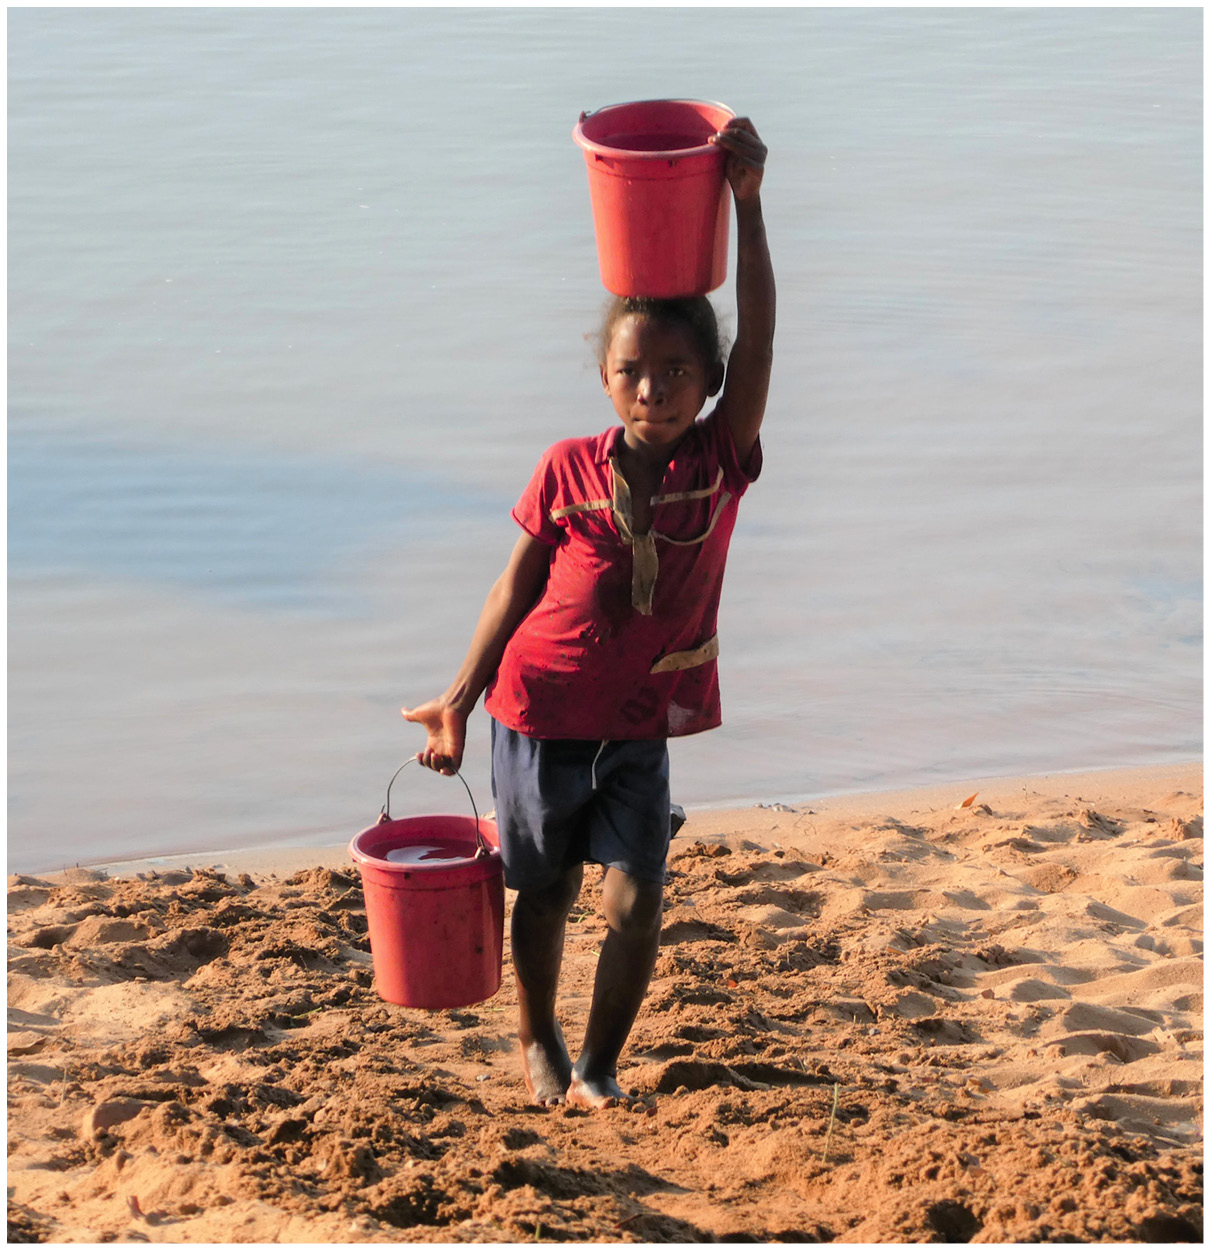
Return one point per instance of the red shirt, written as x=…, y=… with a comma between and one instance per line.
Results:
x=623, y=643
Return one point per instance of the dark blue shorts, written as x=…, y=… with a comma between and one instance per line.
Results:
x=562, y=802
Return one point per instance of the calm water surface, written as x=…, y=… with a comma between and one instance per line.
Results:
x=297, y=298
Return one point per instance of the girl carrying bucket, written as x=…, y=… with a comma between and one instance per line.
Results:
x=597, y=643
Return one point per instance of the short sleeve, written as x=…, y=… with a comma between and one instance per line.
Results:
x=738, y=477
x=533, y=509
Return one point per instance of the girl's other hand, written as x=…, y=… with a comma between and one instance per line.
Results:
x=745, y=157
x=446, y=727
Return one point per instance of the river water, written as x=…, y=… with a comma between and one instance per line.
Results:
x=297, y=298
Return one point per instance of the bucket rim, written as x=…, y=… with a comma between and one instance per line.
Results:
x=603, y=149
x=362, y=856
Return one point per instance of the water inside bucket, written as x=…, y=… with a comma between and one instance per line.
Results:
x=628, y=141
x=419, y=854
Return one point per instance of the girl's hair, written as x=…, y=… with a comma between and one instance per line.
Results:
x=694, y=313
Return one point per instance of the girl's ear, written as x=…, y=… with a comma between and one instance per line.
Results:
x=717, y=373
x=605, y=379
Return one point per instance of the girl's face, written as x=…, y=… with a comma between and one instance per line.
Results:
x=658, y=381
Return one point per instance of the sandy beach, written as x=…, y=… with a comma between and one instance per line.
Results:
x=965, y=1014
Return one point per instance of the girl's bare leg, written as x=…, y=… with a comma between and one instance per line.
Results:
x=538, y=927
x=633, y=910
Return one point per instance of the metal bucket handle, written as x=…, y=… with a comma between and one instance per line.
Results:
x=481, y=846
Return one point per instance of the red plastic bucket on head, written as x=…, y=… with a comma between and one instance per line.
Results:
x=660, y=206
x=434, y=895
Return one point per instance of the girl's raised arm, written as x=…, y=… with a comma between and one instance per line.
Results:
x=746, y=388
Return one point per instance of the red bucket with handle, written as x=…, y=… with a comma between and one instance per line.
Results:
x=660, y=205
x=434, y=895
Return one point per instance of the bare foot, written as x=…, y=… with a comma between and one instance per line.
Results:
x=595, y=1093
x=547, y=1069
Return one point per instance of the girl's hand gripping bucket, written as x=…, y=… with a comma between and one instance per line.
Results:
x=660, y=204
x=434, y=894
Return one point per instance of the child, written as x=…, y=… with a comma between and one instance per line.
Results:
x=598, y=642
